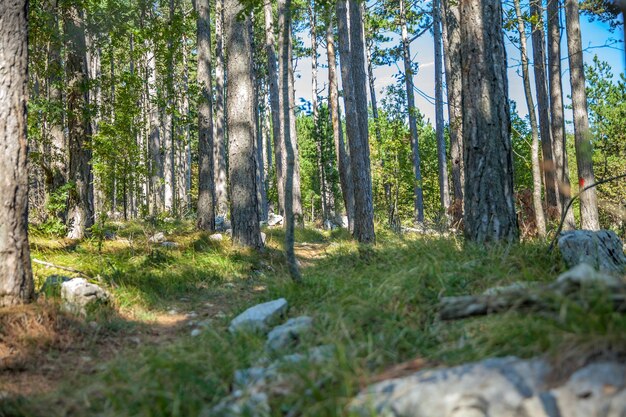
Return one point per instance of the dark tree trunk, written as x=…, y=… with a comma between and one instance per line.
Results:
x=584, y=148
x=343, y=162
x=452, y=59
x=557, y=114
x=241, y=134
x=206, y=190
x=489, y=201
x=16, y=278
x=80, y=202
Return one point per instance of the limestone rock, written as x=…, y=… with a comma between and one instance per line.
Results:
x=584, y=274
x=217, y=237
x=79, y=295
x=263, y=238
x=259, y=317
x=242, y=404
x=288, y=333
x=602, y=250
x=274, y=219
x=169, y=245
x=157, y=238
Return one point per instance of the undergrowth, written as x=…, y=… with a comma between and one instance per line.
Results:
x=377, y=306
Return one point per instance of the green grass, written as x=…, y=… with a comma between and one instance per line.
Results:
x=377, y=305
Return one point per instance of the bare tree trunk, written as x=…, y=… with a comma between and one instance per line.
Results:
x=452, y=58
x=540, y=220
x=80, y=202
x=168, y=125
x=343, y=162
x=206, y=191
x=284, y=10
x=410, y=98
x=270, y=47
x=219, y=144
x=154, y=139
x=557, y=114
x=444, y=193
x=16, y=278
x=240, y=116
x=584, y=148
x=489, y=202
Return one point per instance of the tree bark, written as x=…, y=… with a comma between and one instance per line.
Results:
x=557, y=113
x=168, y=125
x=584, y=148
x=444, y=193
x=410, y=98
x=240, y=116
x=543, y=106
x=352, y=53
x=154, y=137
x=80, y=201
x=206, y=191
x=343, y=162
x=540, y=220
x=16, y=279
x=452, y=58
x=489, y=201
x=219, y=144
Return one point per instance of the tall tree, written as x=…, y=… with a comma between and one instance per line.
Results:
x=219, y=142
x=584, y=150
x=80, y=201
x=154, y=135
x=452, y=58
x=16, y=279
x=206, y=190
x=241, y=127
x=540, y=220
x=444, y=194
x=489, y=202
x=343, y=162
x=556, y=111
x=412, y=111
x=352, y=54
x=284, y=11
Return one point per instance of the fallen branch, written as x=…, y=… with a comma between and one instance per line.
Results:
x=63, y=268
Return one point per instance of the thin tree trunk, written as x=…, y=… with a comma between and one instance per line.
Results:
x=240, y=116
x=343, y=162
x=16, y=278
x=584, y=148
x=489, y=201
x=557, y=113
x=219, y=144
x=168, y=125
x=412, y=110
x=543, y=106
x=206, y=192
x=284, y=10
x=452, y=58
x=444, y=193
x=275, y=102
x=540, y=220
x=80, y=202
x=154, y=139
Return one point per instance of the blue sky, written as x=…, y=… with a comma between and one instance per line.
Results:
x=594, y=34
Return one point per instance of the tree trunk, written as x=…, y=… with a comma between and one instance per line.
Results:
x=270, y=47
x=206, y=192
x=343, y=162
x=284, y=10
x=540, y=220
x=489, y=201
x=584, y=149
x=444, y=193
x=410, y=98
x=80, y=202
x=543, y=106
x=154, y=138
x=168, y=125
x=352, y=53
x=240, y=116
x=16, y=278
x=452, y=58
x=557, y=114
x=219, y=144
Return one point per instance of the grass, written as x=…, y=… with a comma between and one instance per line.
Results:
x=377, y=305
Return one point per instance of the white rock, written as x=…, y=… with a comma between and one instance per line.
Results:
x=169, y=245
x=602, y=249
x=216, y=237
x=157, y=238
x=288, y=333
x=274, y=219
x=259, y=317
x=79, y=295
x=344, y=222
x=263, y=237
x=196, y=332
x=584, y=274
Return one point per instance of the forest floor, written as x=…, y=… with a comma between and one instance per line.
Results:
x=377, y=305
